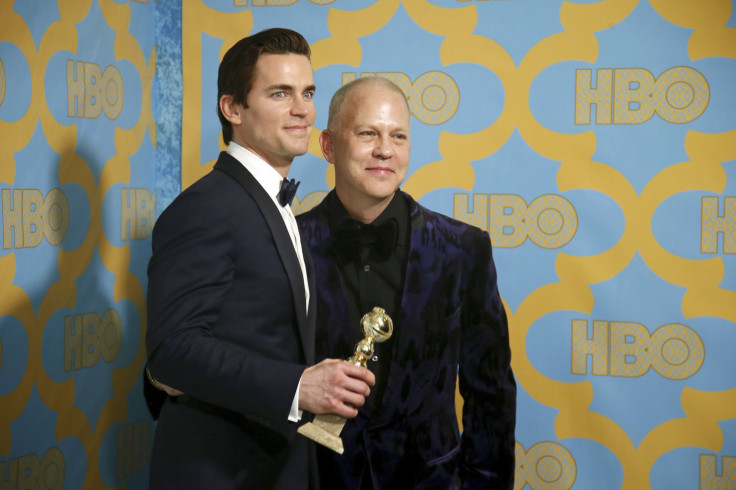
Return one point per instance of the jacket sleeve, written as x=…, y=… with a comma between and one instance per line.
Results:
x=190, y=274
x=486, y=381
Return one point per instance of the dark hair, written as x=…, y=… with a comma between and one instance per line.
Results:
x=237, y=68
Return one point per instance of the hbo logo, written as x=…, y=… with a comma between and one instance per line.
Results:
x=633, y=95
x=627, y=349
x=545, y=466
x=30, y=471
x=86, y=338
x=134, y=448
x=93, y=90
x=29, y=217
x=550, y=221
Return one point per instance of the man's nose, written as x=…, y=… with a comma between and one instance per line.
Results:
x=384, y=148
x=300, y=106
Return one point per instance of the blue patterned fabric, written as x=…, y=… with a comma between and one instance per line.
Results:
x=167, y=102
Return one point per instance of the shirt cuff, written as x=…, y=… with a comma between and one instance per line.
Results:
x=295, y=415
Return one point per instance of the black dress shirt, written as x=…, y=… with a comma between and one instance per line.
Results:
x=371, y=279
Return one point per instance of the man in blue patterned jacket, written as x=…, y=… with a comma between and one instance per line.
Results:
x=373, y=245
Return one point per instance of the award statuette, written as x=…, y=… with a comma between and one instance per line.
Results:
x=325, y=428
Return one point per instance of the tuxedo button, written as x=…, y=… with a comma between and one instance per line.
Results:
x=374, y=358
x=367, y=268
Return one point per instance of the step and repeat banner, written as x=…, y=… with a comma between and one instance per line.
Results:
x=77, y=178
x=594, y=140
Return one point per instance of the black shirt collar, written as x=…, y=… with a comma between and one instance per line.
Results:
x=398, y=209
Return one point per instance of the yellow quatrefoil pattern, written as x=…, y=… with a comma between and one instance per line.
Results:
x=594, y=140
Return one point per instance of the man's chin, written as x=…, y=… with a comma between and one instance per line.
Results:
x=381, y=195
x=300, y=149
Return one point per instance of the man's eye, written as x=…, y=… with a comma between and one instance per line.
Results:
x=279, y=94
x=309, y=95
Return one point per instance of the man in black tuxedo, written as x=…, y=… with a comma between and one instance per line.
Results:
x=373, y=245
x=231, y=298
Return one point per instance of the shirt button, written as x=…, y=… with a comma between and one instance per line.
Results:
x=374, y=358
x=367, y=268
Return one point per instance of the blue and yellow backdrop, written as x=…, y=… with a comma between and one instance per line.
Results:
x=595, y=140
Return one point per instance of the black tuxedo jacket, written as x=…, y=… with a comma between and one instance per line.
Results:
x=451, y=324
x=227, y=325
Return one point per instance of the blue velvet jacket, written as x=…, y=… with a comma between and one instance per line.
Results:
x=451, y=326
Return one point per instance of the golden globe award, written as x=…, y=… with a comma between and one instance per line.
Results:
x=325, y=428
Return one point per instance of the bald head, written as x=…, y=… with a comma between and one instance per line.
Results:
x=337, y=104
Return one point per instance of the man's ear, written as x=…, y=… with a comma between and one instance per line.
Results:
x=325, y=142
x=230, y=109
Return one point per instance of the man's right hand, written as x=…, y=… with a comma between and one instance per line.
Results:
x=159, y=385
x=335, y=386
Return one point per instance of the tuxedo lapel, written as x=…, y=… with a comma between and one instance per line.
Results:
x=309, y=331
x=229, y=165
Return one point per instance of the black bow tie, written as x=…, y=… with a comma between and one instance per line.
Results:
x=380, y=240
x=288, y=191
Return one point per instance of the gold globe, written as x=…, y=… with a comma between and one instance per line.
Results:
x=377, y=324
